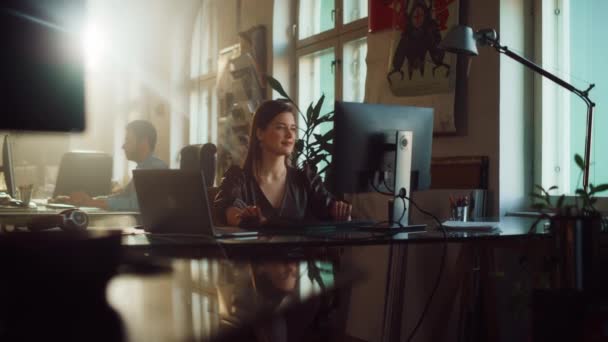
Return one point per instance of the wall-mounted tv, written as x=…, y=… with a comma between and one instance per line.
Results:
x=42, y=65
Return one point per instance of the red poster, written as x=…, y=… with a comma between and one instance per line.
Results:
x=386, y=14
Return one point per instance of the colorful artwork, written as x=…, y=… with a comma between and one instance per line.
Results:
x=418, y=66
x=386, y=14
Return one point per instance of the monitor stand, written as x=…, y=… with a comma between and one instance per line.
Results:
x=402, y=174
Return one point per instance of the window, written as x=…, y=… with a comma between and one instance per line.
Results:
x=570, y=35
x=331, y=52
x=203, y=76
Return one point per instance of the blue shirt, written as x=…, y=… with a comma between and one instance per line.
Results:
x=126, y=200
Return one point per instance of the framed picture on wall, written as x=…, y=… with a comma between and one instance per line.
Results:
x=418, y=72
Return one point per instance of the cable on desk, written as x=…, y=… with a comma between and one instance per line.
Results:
x=391, y=194
x=386, y=186
x=441, y=267
x=404, y=197
x=371, y=182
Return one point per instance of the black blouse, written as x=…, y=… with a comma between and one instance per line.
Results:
x=305, y=197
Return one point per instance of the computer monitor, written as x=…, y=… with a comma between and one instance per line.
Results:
x=41, y=65
x=365, y=146
x=7, y=167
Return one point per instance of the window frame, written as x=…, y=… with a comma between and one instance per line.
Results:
x=336, y=38
x=207, y=77
x=552, y=48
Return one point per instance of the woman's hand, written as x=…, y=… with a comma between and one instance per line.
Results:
x=340, y=211
x=250, y=216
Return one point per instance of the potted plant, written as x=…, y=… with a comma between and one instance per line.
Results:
x=575, y=228
x=312, y=146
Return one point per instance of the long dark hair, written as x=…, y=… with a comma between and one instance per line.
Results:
x=267, y=111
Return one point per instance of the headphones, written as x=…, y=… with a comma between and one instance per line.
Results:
x=70, y=220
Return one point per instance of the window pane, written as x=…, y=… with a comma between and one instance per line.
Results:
x=203, y=58
x=588, y=65
x=316, y=77
x=196, y=56
x=198, y=117
x=354, y=9
x=355, y=70
x=315, y=16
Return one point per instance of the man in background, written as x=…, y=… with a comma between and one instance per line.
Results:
x=140, y=141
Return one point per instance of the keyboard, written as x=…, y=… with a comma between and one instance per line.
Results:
x=59, y=206
x=287, y=224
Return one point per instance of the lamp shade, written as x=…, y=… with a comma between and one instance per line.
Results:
x=461, y=40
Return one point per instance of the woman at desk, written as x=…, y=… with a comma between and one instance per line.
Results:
x=268, y=186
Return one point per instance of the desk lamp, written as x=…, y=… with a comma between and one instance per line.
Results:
x=462, y=40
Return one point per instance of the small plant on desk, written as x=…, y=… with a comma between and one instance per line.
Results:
x=584, y=201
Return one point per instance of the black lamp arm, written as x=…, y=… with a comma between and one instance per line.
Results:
x=490, y=37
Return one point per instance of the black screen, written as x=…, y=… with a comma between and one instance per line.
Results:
x=364, y=145
x=41, y=65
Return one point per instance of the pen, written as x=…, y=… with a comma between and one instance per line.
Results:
x=239, y=203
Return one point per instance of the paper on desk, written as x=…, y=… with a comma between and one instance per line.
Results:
x=471, y=226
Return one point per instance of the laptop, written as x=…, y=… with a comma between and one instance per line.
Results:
x=175, y=202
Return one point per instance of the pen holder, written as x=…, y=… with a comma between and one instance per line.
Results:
x=460, y=213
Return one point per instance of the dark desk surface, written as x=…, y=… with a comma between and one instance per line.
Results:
x=97, y=217
x=210, y=289
x=211, y=295
x=509, y=228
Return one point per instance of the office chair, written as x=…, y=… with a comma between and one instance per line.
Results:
x=89, y=172
x=200, y=157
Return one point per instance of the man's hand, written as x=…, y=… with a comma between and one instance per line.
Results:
x=80, y=198
x=75, y=198
x=340, y=211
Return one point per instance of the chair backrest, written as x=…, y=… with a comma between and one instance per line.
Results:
x=462, y=172
x=200, y=157
x=89, y=172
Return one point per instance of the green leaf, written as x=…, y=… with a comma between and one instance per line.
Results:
x=552, y=188
x=317, y=109
x=326, y=146
x=599, y=188
x=537, y=196
x=323, y=138
x=329, y=134
x=324, y=118
x=539, y=206
x=299, y=146
x=581, y=192
x=579, y=161
x=541, y=189
x=309, y=121
x=276, y=85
